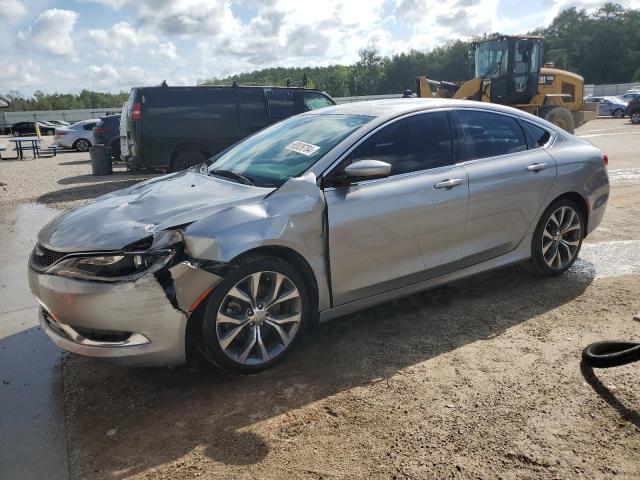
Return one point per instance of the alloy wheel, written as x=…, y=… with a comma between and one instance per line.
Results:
x=82, y=145
x=561, y=237
x=635, y=117
x=258, y=318
x=619, y=113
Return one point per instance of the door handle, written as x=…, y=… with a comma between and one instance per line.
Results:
x=452, y=182
x=536, y=167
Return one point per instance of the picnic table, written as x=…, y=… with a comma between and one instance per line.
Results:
x=20, y=147
x=33, y=144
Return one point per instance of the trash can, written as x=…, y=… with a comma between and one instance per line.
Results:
x=100, y=160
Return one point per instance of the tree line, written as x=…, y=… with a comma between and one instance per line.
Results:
x=603, y=46
x=65, y=101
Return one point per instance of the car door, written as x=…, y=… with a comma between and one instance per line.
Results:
x=391, y=232
x=605, y=107
x=508, y=183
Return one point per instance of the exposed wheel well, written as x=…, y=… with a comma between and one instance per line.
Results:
x=581, y=202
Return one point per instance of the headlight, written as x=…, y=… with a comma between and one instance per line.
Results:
x=112, y=268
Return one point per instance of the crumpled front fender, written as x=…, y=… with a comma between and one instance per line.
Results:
x=291, y=217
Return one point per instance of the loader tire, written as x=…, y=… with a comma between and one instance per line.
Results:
x=559, y=116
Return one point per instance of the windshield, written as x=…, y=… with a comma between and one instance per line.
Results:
x=491, y=59
x=287, y=149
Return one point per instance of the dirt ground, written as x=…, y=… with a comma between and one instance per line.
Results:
x=478, y=379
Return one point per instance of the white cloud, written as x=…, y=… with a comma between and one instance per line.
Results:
x=109, y=77
x=20, y=74
x=51, y=32
x=11, y=10
x=120, y=36
x=165, y=51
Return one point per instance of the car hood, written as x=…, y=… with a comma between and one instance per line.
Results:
x=113, y=221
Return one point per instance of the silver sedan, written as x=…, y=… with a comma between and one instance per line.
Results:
x=313, y=218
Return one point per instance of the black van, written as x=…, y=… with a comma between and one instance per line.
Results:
x=174, y=128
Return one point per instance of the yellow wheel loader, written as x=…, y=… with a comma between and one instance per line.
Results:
x=508, y=72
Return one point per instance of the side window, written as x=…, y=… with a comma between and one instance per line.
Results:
x=419, y=142
x=251, y=108
x=491, y=134
x=313, y=101
x=191, y=103
x=536, y=136
x=89, y=126
x=281, y=103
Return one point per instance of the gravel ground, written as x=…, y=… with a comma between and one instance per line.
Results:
x=478, y=379
x=62, y=182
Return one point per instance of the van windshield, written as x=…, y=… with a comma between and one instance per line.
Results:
x=285, y=150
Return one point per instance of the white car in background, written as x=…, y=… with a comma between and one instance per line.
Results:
x=78, y=136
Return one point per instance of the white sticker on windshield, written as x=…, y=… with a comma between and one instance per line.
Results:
x=303, y=148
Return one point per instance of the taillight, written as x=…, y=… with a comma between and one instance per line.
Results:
x=605, y=159
x=136, y=111
x=100, y=130
x=60, y=134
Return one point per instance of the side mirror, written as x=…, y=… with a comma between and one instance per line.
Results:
x=366, y=169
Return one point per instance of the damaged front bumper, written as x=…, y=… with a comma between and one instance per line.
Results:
x=137, y=323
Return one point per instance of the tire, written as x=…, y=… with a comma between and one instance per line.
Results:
x=236, y=325
x=611, y=354
x=186, y=159
x=618, y=113
x=115, y=150
x=635, y=117
x=559, y=116
x=548, y=239
x=82, y=145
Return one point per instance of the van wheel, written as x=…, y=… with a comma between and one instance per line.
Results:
x=255, y=315
x=186, y=159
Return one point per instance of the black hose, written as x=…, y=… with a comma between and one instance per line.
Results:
x=611, y=354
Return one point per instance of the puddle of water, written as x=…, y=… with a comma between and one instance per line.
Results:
x=608, y=259
x=626, y=175
x=33, y=440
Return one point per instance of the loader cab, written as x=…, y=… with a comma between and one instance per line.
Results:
x=511, y=65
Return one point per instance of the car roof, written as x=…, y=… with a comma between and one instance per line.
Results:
x=399, y=106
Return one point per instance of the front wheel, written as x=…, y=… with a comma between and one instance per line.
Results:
x=635, y=117
x=559, y=116
x=255, y=316
x=557, y=239
x=618, y=113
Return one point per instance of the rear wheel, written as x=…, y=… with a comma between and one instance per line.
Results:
x=186, y=159
x=82, y=145
x=557, y=239
x=618, y=113
x=635, y=117
x=559, y=116
x=255, y=316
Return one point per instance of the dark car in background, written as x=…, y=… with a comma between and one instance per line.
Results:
x=22, y=129
x=173, y=128
x=633, y=110
x=107, y=133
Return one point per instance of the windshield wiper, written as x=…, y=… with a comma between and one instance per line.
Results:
x=229, y=174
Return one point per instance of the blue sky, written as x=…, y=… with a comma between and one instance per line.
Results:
x=111, y=45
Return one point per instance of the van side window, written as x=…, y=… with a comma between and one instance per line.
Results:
x=281, y=104
x=313, y=101
x=491, y=134
x=191, y=103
